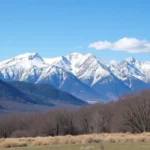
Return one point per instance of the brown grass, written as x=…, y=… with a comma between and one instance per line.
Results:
x=81, y=139
x=12, y=143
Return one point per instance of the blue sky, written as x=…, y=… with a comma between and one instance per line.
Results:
x=60, y=27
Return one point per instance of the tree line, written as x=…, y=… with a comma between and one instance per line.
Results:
x=131, y=113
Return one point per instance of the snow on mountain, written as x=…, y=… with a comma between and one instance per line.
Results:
x=119, y=78
x=83, y=66
x=24, y=61
x=60, y=62
x=75, y=60
x=95, y=73
x=92, y=71
x=21, y=67
x=145, y=69
x=131, y=73
x=30, y=67
x=60, y=78
x=129, y=69
x=85, y=76
x=69, y=62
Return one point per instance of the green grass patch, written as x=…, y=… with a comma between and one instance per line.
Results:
x=107, y=146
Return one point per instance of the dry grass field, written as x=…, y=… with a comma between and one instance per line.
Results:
x=83, y=142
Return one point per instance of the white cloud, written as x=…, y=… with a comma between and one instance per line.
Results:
x=131, y=45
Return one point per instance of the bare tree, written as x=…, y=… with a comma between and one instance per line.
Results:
x=84, y=117
x=7, y=125
x=101, y=117
x=137, y=112
x=59, y=122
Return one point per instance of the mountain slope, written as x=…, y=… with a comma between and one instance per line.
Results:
x=13, y=100
x=66, y=81
x=10, y=93
x=47, y=93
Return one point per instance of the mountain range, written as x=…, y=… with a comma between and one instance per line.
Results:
x=86, y=77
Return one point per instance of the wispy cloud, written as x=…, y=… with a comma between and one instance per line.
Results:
x=79, y=47
x=131, y=45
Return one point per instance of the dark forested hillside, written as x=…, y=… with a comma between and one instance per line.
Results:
x=48, y=93
x=10, y=93
x=26, y=97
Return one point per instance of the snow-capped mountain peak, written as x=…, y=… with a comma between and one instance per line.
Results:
x=90, y=55
x=74, y=58
x=20, y=68
x=130, y=60
x=25, y=61
x=134, y=62
x=29, y=56
x=85, y=72
x=75, y=55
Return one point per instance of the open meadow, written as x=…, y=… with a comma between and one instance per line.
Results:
x=83, y=142
x=108, y=146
